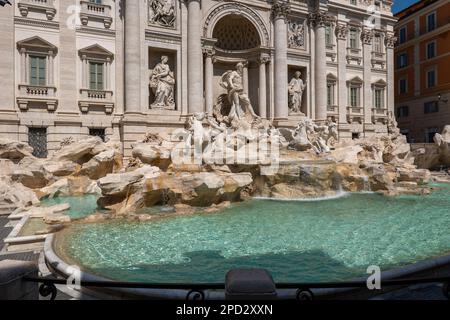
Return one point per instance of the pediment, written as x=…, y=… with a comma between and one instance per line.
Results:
x=96, y=50
x=356, y=80
x=331, y=77
x=36, y=43
x=380, y=83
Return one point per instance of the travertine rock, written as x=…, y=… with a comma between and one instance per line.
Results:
x=81, y=151
x=15, y=194
x=14, y=150
x=154, y=154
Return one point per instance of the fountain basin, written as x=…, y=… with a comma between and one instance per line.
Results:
x=308, y=241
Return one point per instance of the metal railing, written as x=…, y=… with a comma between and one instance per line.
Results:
x=197, y=291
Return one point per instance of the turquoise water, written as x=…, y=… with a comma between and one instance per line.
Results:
x=80, y=207
x=297, y=241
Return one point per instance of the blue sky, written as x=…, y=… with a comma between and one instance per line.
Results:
x=402, y=4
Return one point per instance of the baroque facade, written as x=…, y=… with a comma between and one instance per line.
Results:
x=119, y=68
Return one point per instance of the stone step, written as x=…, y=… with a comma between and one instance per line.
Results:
x=6, y=210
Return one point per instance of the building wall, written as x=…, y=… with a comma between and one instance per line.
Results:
x=418, y=124
x=72, y=30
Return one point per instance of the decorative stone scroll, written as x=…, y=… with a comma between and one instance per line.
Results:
x=161, y=12
x=390, y=40
x=318, y=19
x=341, y=31
x=280, y=10
x=296, y=34
x=366, y=36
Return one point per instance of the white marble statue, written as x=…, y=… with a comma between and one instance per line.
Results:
x=296, y=88
x=309, y=135
x=162, y=83
x=162, y=12
x=241, y=106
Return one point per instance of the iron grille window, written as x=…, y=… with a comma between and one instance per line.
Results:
x=37, y=139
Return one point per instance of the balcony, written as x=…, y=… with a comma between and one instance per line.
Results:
x=333, y=112
x=94, y=99
x=95, y=12
x=46, y=7
x=354, y=54
x=379, y=115
x=378, y=59
x=355, y=114
x=29, y=95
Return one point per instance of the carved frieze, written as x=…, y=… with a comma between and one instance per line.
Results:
x=161, y=12
x=296, y=34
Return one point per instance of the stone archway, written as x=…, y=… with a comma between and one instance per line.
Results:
x=236, y=9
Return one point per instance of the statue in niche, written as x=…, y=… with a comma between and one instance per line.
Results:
x=162, y=12
x=296, y=35
x=295, y=89
x=236, y=104
x=162, y=83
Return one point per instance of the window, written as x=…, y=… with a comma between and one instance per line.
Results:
x=431, y=50
x=402, y=35
x=402, y=60
x=38, y=70
x=96, y=1
x=353, y=38
x=377, y=44
x=330, y=93
x=353, y=2
x=402, y=112
x=378, y=98
x=377, y=5
x=37, y=139
x=431, y=107
x=328, y=36
x=95, y=76
x=431, y=22
x=354, y=96
x=431, y=78
x=403, y=86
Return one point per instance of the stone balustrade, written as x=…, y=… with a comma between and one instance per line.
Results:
x=378, y=58
x=333, y=112
x=44, y=6
x=95, y=11
x=355, y=114
x=379, y=115
x=29, y=94
x=354, y=54
x=100, y=98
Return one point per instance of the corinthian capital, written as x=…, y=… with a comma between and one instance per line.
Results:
x=366, y=36
x=390, y=40
x=318, y=19
x=280, y=9
x=341, y=31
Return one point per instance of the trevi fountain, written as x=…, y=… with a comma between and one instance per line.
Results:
x=230, y=190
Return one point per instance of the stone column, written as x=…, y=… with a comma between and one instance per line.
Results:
x=318, y=20
x=194, y=57
x=209, y=73
x=341, y=34
x=23, y=66
x=7, y=67
x=50, y=68
x=280, y=12
x=366, y=39
x=84, y=72
x=132, y=56
x=107, y=73
x=390, y=43
x=262, y=86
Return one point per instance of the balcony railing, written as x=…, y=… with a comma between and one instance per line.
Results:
x=354, y=54
x=43, y=6
x=29, y=94
x=90, y=98
x=378, y=58
x=379, y=115
x=95, y=11
x=355, y=114
x=333, y=112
